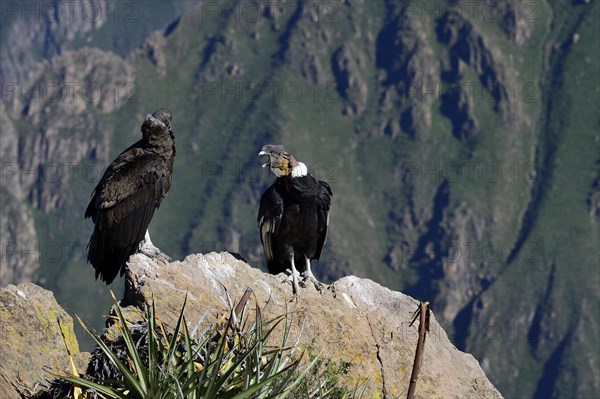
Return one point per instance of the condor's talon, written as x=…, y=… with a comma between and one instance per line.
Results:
x=289, y=277
x=318, y=285
x=293, y=278
x=155, y=253
x=333, y=290
x=309, y=276
x=295, y=283
x=149, y=249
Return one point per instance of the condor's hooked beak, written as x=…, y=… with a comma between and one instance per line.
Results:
x=268, y=163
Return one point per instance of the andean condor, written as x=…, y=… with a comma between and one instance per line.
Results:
x=293, y=216
x=127, y=195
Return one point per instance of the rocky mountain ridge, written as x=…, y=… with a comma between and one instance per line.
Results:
x=353, y=320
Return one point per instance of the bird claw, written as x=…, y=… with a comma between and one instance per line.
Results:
x=293, y=278
x=302, y=280
x=333, y=290
x=150, y=250
x=153, y=252
x=309, y=277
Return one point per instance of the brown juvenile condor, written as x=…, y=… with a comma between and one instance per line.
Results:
x=293, y=216
x=127, y=195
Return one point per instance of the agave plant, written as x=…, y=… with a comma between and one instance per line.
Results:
x=231, y=360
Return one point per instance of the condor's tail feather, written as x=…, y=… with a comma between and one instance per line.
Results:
x=107, y=259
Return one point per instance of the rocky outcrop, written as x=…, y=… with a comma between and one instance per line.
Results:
x=153, y=48
x=346, y=64
x=518, y=19
x=34, y=331
x=470, y=49
x=354, y=320
x=411, y=74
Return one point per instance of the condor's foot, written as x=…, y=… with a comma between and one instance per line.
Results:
x=309, y=277
x=293, y=277
x=154, y=253
x=149, y=249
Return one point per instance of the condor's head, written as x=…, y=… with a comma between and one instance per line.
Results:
x=281, y=163
x=157, y=124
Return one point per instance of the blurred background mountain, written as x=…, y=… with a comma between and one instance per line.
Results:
x=461, y=140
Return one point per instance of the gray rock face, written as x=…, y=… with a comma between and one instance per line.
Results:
x=31, y=342
x=354, y=320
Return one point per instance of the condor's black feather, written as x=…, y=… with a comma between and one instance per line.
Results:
x=124, y=201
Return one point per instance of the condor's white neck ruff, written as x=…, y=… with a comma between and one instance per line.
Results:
x=299, y=170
